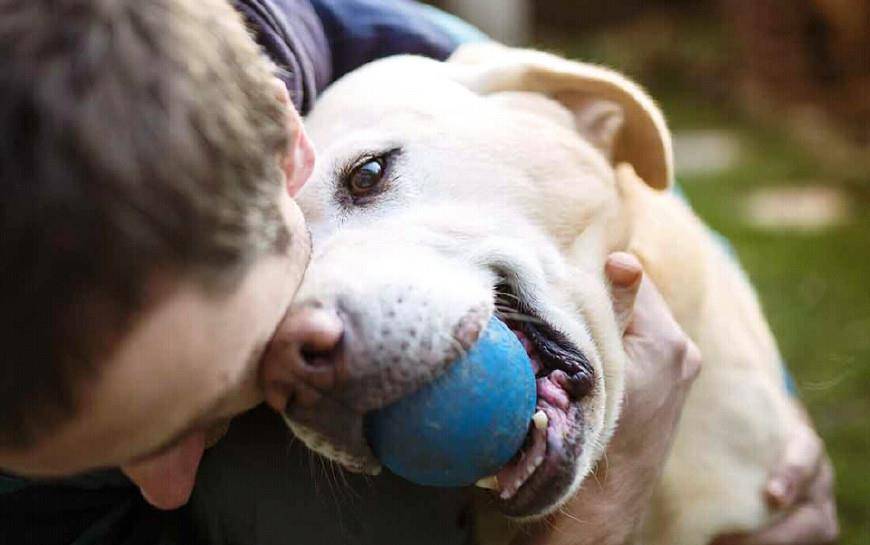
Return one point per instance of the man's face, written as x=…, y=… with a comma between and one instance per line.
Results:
x=188, y=365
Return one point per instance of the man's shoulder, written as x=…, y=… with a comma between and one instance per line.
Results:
x=314, y=42
x=360, y=31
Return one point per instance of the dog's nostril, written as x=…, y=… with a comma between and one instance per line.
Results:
x=320, y=331
x=307, y=359
x=315, y=357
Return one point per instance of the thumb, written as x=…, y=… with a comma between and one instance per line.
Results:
x=624, y=272
x=798, y=465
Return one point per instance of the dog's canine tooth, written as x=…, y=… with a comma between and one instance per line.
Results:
x=540, y=420
x=489, y=483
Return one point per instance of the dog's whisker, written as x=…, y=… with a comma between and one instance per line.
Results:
x=342, y=482
x=507, y=294
x=333, y=488
x=506, y=304
x=352, y=493
x=341, y=486
x=519, y=317
x=313, y=472
x=564, y=511
x=328, y=466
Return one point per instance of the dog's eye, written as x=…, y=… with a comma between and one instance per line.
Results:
x=365, y=178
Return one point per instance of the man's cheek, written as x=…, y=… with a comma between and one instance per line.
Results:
x=216, y=433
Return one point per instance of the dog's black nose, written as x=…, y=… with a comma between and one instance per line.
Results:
x=305, y=359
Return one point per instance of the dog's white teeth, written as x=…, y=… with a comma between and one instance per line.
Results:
x=530, y=470
x=541, y=420
x=489, y=483
x=506, y=493
x=538, y=461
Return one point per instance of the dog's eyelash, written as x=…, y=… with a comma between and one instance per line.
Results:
x=343, y=195
x=348, y=167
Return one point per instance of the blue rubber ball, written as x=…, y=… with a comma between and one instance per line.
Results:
x=467, y=423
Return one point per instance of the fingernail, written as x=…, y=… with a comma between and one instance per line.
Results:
x=781, y=492
x=776, y=489
x=623, y=269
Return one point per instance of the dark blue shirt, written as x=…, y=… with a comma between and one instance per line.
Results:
x=314, y=42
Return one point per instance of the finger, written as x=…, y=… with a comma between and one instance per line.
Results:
x=625, y=274
x=692, y=361
x=652, y=317
x=812, y=523
x=807, y=525
x=797, y=468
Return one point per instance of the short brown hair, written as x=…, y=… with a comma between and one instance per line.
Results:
x=135, y=136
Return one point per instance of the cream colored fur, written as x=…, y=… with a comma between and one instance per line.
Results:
x=525, y=160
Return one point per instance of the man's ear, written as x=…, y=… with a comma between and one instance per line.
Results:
x=298, y=160
x=613, y=113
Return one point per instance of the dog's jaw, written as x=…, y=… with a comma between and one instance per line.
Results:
x=475, y=270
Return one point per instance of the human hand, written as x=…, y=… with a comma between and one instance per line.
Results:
x=662, y=365
x=802, y=485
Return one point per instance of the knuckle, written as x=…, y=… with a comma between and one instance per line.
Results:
x=690, y=359
x=678, y=345
x=797, y=475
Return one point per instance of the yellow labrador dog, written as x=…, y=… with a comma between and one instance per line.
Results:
x=498, y=182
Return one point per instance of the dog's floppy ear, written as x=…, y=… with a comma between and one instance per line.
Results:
x=615, y=114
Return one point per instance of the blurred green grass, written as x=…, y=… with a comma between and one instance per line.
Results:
x=814, y=289
x=813, y=285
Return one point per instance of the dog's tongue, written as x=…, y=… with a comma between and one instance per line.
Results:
x=166, y=480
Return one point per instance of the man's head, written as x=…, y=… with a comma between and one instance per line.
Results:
x=149, y=244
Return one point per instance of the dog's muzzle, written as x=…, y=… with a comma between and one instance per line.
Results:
x=343, y=363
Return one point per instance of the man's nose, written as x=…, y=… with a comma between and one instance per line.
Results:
x=305, y=359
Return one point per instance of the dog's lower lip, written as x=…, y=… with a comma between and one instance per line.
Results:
x=551, y=475
x=542, y=470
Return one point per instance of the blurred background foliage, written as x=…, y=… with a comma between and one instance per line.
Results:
x=769, y=101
